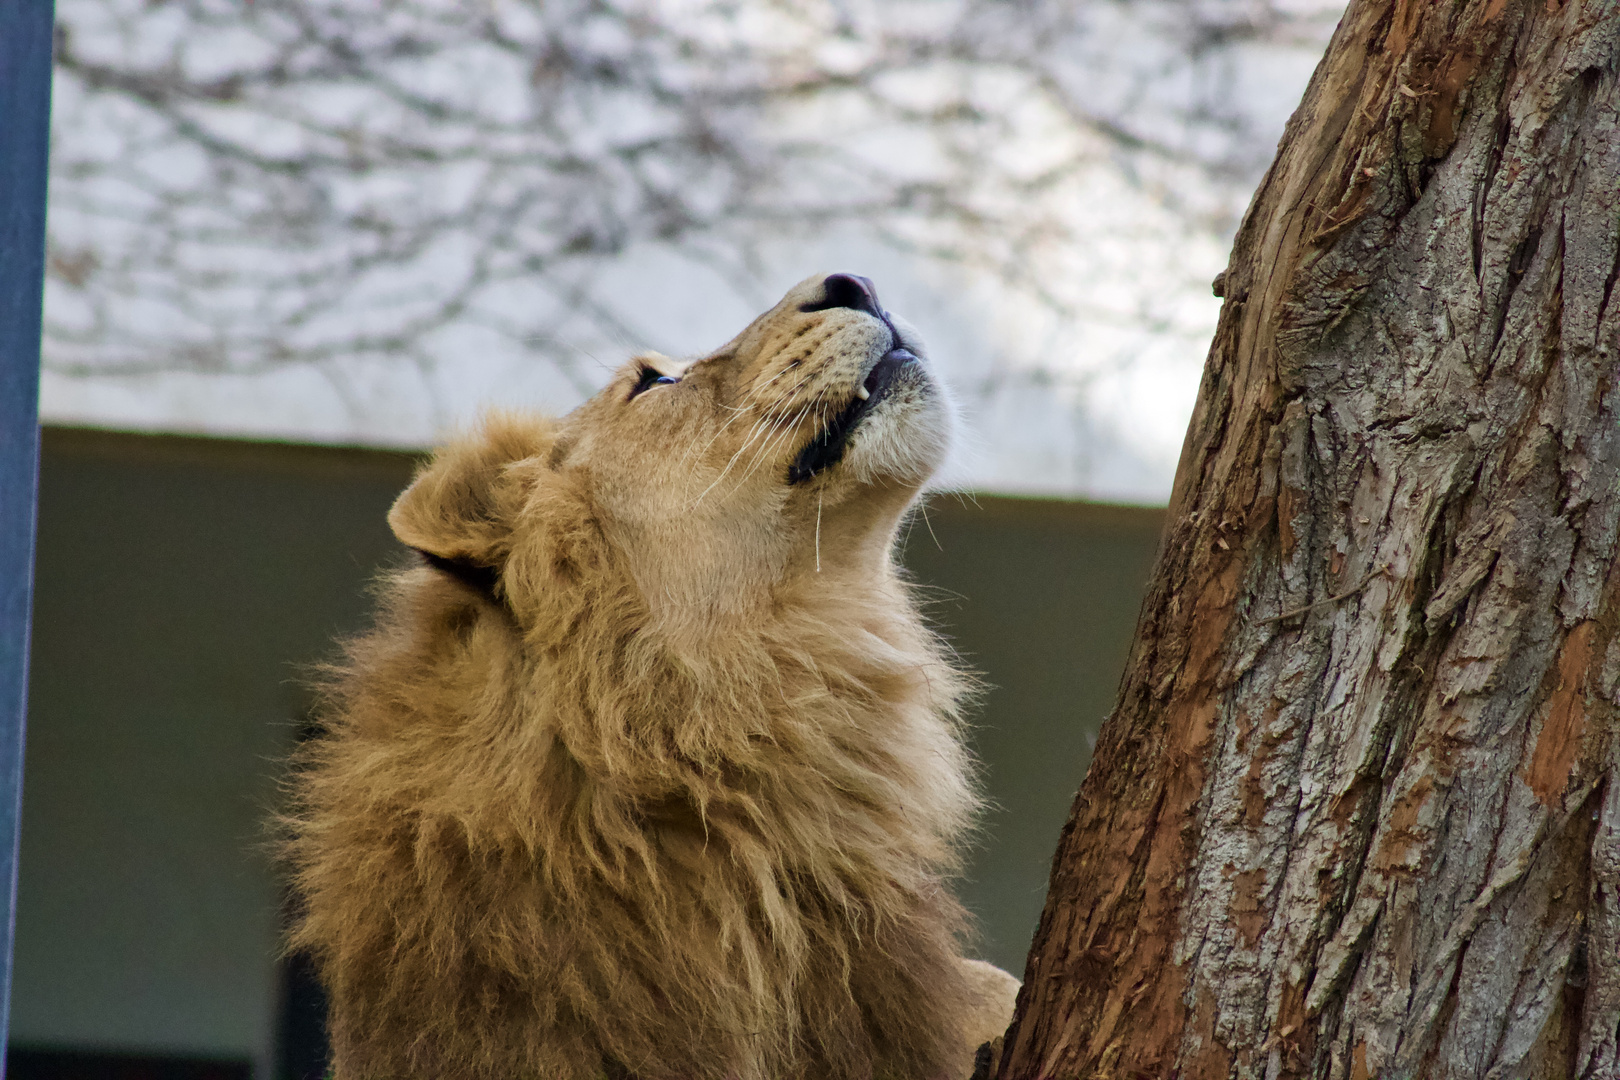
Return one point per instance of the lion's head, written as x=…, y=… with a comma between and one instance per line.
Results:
x=794, y=449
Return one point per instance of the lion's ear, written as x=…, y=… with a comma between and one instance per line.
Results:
x=461, y=507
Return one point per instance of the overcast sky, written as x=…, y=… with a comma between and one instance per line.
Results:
x=350, y=222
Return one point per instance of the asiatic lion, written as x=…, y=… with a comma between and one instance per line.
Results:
x=651, y=769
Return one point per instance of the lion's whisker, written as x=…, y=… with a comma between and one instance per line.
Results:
x=740, y=410
x=766, y=431
x=819, y=496
x=740, y=451
x=781, y=427
x=737, y=413
x=764, y=427
x=780, y=433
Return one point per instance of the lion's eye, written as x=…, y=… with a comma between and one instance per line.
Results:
x=651, y=377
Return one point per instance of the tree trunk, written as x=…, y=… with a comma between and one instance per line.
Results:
x=1356, y=813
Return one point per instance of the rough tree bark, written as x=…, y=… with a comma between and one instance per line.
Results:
x=1356, y=813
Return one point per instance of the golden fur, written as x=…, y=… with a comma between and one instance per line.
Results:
x=678, y=796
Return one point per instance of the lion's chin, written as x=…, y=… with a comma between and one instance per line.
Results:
x=899, y=367
x=903, y=444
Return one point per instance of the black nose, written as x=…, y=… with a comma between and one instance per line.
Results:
x=848, y=291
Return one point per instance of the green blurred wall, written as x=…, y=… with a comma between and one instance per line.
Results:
x=182, y=584
x=1040, y=597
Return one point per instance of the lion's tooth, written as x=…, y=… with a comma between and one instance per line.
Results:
x=862, y=392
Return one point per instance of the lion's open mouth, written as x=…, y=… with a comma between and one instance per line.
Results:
x=827, y=447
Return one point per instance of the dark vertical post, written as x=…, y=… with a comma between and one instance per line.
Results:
x=25, y=108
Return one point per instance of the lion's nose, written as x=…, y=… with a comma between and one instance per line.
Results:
x=847, y=291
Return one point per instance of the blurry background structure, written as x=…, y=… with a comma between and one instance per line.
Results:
x=357, y=222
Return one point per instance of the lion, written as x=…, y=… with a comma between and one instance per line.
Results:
x=650, y=767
